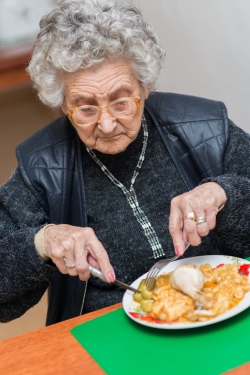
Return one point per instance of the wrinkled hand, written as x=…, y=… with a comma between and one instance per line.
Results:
x=73, y=248
x=204, y=201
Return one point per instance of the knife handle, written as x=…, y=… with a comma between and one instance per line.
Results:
x=97, y=273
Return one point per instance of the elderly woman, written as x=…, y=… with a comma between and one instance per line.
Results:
x=124, y=177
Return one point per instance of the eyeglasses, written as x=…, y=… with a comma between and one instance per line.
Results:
x=89, y=114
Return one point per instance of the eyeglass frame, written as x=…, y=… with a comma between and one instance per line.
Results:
x=136, y=99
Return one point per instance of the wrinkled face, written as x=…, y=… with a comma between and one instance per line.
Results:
x=100, y=86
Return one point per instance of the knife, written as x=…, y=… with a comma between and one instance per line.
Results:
x=97, y=273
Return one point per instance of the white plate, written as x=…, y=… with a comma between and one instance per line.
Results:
x=213, y=260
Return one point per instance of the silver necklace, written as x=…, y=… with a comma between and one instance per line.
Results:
x=131, y=197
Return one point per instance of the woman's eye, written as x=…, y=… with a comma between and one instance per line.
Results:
x=124, y=102
x=88, y=111
x=121, y=105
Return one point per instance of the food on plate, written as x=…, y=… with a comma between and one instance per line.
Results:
x=144, y=298
x=190, y=280
x=192, y=293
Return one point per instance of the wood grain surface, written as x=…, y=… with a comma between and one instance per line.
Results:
x=53, y=350
x=241, y=370
x=50, y=350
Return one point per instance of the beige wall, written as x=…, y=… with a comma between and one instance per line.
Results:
x=208, y=50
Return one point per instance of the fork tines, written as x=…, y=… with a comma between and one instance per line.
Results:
x=150, y=279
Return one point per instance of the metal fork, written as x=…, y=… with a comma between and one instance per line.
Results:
x=155, y=269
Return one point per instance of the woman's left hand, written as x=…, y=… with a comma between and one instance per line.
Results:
x=193, y=214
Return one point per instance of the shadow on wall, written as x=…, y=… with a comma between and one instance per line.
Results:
x=21, y=114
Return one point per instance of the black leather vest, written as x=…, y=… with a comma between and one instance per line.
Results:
x=194, y=130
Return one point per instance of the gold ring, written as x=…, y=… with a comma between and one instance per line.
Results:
x=69, y=265
x=190, y=216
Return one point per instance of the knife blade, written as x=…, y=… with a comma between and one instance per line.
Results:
x=97, y=273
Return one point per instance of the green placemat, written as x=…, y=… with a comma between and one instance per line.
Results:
x=123, y=347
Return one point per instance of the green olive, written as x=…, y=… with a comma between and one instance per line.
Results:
x=146, y=305
x=137, y=297
x=142, y=285
x=146, y=294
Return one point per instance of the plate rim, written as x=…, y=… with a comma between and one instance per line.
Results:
x=243, y=305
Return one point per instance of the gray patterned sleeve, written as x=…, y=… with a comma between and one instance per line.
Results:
x=24, y=274
x=233, y=222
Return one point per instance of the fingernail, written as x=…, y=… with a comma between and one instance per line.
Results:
x=178, y=252
x=111, y=277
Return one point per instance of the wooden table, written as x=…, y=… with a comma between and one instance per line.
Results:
x=50, y=350
x=53, y=350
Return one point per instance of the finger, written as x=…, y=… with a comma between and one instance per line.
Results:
x=202, y=229
x=82, y=265
x=206, y=216
x=211, y=215
x=92, y=261
x=190, y=229
x=176, y=227
x=183, y=215
x=202, y=226
x=190, y=226
x=70, y=267
x=61, y=266
x=57, y=259
x=69, y=244
x=62, y=254
x=185, y=237
x=89, y=247
x=98, y=252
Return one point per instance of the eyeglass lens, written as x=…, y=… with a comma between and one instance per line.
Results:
x=119, y=108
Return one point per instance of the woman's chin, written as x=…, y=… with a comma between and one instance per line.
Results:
x=112, y=146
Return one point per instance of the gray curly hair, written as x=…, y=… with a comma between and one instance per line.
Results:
x=78, y=34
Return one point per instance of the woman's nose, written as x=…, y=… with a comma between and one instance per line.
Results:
x=106, y=122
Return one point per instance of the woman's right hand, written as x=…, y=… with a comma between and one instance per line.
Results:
x=72, y=249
